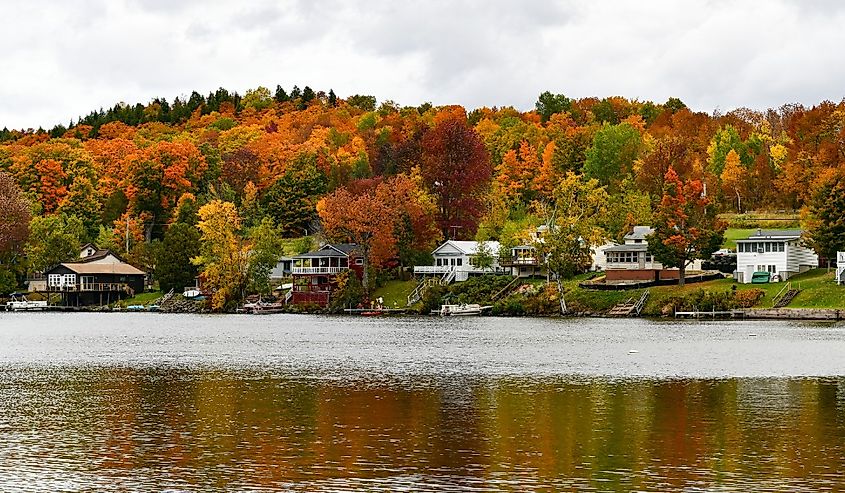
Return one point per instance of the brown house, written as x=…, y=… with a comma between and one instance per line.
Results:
x=315, y=273
x=93, y=283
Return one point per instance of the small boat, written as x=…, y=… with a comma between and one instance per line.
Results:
x=260, y=307
x=192, y=293
x=463, y=310
x=19, y=303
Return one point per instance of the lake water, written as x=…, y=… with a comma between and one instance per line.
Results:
x=151, y=402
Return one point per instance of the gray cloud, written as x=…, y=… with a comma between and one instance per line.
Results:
x=63, y=60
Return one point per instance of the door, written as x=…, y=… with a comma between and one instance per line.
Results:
x=87, y=283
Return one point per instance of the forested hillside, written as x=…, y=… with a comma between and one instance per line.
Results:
x=306, y=162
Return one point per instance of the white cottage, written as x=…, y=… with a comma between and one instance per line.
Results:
x=458, y=257
x=778, y=252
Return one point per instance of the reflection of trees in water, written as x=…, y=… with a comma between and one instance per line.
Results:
x=156, y=427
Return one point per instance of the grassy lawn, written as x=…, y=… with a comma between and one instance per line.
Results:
x=764, y=220
x=292, y=246
x=395, y=293
x=818, y=290
x=733, y=234
x=141, y=299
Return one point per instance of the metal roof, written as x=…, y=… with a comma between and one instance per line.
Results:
x=330, y=250
x=774, y=234
x=470, y=247
x=89, y=268
x=632, y=247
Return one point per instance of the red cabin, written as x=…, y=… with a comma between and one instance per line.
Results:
x=315, y=273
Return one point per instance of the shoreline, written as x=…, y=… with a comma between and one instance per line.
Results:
x=799, y=314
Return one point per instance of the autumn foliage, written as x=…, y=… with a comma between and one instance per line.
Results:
x=397, y=179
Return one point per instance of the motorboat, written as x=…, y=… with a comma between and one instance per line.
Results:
x=462, y=310
x=192, y=293
x=19, y=303
x=262, y=307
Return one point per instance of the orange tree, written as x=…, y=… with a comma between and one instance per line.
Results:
x=686, y=226
x=381, y=217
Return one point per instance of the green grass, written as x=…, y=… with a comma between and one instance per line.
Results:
x=764, y=220
x=141, y=299
x=292, y=246
x=818, y=290
x=733, y=234
x=395, y=293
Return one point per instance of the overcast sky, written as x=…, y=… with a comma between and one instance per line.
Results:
x=60, y=60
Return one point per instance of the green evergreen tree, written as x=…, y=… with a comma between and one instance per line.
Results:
x=174, y=269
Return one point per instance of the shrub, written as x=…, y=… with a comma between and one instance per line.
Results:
x=509, y=306
x=748, y=297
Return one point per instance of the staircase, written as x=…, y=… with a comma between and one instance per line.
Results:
x=785, y=296
x=164, y=299
x=419, y=291
x=505, y=290
x=630, y=306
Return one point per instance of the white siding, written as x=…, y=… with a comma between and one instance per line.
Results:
x=799, y=258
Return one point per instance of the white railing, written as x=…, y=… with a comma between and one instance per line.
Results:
x=444, y=269
x=318, y=270
x=432, y=269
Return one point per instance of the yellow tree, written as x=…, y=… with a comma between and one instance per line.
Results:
x=734, y=176
x=223, y=257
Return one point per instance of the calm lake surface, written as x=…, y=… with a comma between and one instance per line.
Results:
x=151, y=402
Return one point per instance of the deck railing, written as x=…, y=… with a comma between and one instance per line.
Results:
x=91, y=287
x=318, y=270
x=517, y=261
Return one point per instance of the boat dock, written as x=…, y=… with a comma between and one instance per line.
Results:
x=712, y=314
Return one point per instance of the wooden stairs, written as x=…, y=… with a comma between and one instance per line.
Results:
x=785, y=296
x=507, y=289
x=629, y=307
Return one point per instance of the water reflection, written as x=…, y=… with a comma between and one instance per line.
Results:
x=179, y=429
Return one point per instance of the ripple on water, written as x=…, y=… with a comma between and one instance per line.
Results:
x=153, y=403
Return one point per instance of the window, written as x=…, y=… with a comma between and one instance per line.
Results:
x=460, y=261
x=772, y=269
x=439, y=262
x=359, y=261
x=768, y=246
x=781, y=247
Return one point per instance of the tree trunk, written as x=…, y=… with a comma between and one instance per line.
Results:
x=563, y=309
x=682, y=273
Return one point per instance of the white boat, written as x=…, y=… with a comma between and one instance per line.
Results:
x=192, y=293
x=462, y=310
x=260, y=307
x=20, y=303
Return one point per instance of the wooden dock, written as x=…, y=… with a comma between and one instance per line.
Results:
x=630, y=307
x=711, y=314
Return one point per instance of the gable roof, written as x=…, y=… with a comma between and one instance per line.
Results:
x=89, y=268
x=99, y=255
x=330, y=250
x=468, y=247
x=639, y=233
